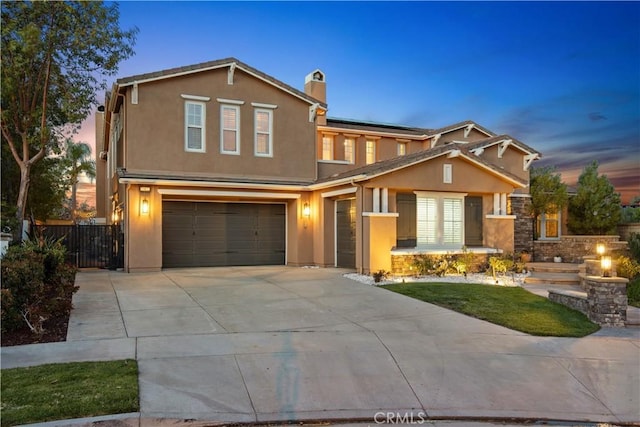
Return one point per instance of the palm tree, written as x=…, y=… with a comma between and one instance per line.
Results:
x=77, y=160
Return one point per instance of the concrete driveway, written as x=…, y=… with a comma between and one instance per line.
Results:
x=262, y=344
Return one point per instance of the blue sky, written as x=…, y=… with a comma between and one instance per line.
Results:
x=563, y=77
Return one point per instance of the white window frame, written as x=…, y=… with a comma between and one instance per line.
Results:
x=237, y=129
x=402, y=149
x=269, y=112
x=202, y=127
x=370, y=151
x=542, y=231
x=350, y=150
x=431, y=231
x=328, y=142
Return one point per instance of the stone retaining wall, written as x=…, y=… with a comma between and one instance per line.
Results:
x=574, y=248
x=625, y=230
x=577, y=302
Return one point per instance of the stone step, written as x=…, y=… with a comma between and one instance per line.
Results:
x=633, y=317
x=553, y=267
x=552, y=278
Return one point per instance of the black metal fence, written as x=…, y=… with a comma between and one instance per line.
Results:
x=97, y=246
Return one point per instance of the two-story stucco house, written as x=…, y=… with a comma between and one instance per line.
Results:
x=219, y=164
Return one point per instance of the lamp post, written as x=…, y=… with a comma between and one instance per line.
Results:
x=605, y=264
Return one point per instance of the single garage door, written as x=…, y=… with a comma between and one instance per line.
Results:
x=200, y=234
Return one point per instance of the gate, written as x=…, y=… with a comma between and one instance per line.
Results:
x=89, y=246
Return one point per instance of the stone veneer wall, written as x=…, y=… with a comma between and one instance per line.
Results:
x=574, y=301
x=606, y=300
x=523, y=224
x=574, y=248
x=625, y=230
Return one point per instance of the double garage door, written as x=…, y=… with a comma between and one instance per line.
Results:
x=200, y=234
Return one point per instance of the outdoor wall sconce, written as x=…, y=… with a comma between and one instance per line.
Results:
x=144, y=201
x=306, y=210
x=605, y=264
x=600, y=249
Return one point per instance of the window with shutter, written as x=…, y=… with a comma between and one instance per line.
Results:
x=452, y=221
x=230, y=129
x=440, y=219
x=427, y=220
x=194, y=126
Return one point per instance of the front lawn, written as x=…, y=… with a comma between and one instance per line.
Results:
x=512, y=307
x=68, y=390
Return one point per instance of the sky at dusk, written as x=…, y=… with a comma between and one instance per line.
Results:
x=562, y=77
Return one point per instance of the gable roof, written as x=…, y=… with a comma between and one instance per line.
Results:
x=456, y=126
x=398, y=131
x=366, y=127
x=498, y=139
x=212, y=65
x=391, y=165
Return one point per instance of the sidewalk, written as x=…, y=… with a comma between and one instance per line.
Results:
x=274, y=344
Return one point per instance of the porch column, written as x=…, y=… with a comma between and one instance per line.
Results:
x=379, y=238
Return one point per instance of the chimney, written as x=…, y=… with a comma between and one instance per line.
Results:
x=316, y=87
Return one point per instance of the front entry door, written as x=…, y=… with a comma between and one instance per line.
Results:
x=473, y=221
x=346, y=233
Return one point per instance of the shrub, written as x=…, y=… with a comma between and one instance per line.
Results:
x=379, y=275
x=500, y=265
x=627, y=267
x=36, y=285
x=634, y=245
x=437, y=265
x=465, y=262
x=633, y=292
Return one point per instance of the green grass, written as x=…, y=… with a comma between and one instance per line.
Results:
x=512, y=307
x=633, y=292
x=68, y=390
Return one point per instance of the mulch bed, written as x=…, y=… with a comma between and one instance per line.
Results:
x=55, y=331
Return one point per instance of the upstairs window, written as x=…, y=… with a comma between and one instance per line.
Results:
x=194, y=131
x=370, y=152
x=402, y=148
x=263, y=133
x=327, y=147
x=230, y=129
x=349, y=153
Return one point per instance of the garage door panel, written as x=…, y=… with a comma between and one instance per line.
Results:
x=218, y=234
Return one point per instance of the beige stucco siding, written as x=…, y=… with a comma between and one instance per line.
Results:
x=428, y=176
x=155, y=129
x=512, y=160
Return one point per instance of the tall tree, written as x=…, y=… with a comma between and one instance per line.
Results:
x=595, y=209
x=77, y=161
x=548, y=192
x=55, y=57
x=46, y=193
